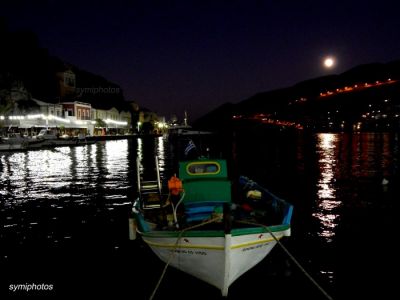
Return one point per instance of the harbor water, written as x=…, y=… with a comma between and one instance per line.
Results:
x=64, y=217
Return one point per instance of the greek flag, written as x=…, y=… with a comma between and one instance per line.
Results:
x=189, y=147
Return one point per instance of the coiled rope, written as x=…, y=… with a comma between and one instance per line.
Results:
x=174, y=248
x=291, y=257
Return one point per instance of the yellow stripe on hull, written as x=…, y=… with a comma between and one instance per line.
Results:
x=162, y=245
x=254, y=243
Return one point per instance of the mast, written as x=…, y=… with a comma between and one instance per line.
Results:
x=185, y=118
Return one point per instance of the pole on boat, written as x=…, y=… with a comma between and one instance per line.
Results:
x=132, y=229
x=227, y=248
x=227, y=218
x=138, y=173
x=158, y=175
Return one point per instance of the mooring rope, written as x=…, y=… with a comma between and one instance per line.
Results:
x=173, y=251
x=291, y=257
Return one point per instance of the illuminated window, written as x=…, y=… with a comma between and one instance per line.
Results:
x=203, y=168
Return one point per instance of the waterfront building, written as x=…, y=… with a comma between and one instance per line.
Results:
x=110, y=120
x=49, y=108
x=66, y=83
x=125, y=116
x=78, y=110
x=73, y=117
x=70, y=110
x=112, y=114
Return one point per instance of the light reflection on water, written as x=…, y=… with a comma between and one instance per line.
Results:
x=160, y=152
x=326, y=202
x=147, y=149
x=57, y=193
x=350, y=194
x=77, y=172
x=52, y=180
x=116, y=158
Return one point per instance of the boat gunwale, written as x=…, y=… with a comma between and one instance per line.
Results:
x=215, y=233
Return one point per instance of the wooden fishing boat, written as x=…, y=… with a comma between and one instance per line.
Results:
x=204, y=229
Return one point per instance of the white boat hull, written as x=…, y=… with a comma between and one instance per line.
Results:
x=7, y=147
x=33, y=144
x=219, y=260
x=24, y=145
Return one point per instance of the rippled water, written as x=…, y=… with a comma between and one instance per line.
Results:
x=344, y=188
x=64, y=211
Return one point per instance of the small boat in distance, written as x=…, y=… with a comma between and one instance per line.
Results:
x=203, y=229
x=17, y=142
x=184, y=129
x=45, y=139
x=51, y=138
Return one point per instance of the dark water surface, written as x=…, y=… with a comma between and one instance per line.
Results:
x=64, y=214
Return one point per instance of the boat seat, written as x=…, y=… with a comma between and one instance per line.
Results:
x=205, y=197
x=202, y=211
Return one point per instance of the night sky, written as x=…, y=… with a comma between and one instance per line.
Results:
x=196, y=55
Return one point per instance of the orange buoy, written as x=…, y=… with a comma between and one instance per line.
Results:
x=175, y=186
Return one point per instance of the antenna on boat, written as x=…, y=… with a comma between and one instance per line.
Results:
x=185, y=119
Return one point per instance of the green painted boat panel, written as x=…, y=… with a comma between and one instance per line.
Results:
x=207, y=191
x=205, y=181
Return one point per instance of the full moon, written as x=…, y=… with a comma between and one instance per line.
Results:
x=329, y=62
